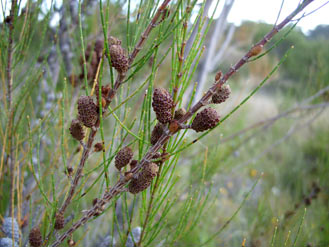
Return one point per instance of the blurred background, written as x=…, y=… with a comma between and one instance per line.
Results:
x=279, y=138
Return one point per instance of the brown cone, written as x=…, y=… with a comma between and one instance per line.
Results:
x=77, y=130
x=35, y=238
x=222, y=95
x=59, y=221
x=162, y=104
x=144, y=179
x=119, y=59
x=123, y=157
x=204, y=120
x=156, y=133
x=88, y=111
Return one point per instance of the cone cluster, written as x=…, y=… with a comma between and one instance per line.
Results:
x=156, y=133
x=123, y=157
x=222, y=95
x=77, y=130
x=35, y=238
x=162, y=104
x=144, y=179
x=204, y=120
x=88, y=111
x=59, y=221
x=119, y=59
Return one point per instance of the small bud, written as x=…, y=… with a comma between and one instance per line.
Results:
x=218, y=76
x=98, y=147
x=35, y=238
x=156, y=133
x=77, y=130
x=162, y=104
x=204, y=120
x=254, y=51
x=59, y=221
x=174, y=126
x=70, y=242
x=133, y=164
x=128, y=176
x=88, y=112
x=123, y=157
x=179, y=113
x=69, y=171
x=222, y=95
x=119, y=60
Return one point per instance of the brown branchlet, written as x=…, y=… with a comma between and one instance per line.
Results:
x=119, y=59
x=123, y=157
x=144, y=179
x=35, y=237
x=77, y=130
x=162, y=105
x=156, y=133
x=88, y=111
x=59, y=221
x=204, y=120
x=222, y=95
x=99, y=210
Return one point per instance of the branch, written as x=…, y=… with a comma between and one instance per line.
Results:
x=122, y=182
x=119, y=80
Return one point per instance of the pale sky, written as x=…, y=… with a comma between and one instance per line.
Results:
x=254, y=10
x=267, y=10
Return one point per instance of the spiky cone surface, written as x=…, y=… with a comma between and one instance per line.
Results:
x=35, y=237
x=118, y=55
x=156, y=133
x=144, y=179
x=222, y=95
x=77, y=130
x=204, y=120
x=59, y=221
x=149, y=171
x=123, y=157
x=88, y=111
x=162, y=104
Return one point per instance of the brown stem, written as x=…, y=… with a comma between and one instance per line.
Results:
x=78, y=174
x=119, y=186
x=147, y=31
